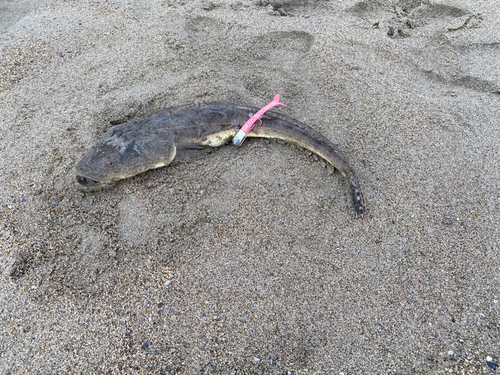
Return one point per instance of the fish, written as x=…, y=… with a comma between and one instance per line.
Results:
x=182, y=132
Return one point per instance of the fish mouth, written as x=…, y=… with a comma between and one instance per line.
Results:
x=87, y=182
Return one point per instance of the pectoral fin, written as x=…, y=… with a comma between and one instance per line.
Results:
x=188, y=151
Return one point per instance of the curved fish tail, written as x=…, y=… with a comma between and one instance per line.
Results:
x=358, y=200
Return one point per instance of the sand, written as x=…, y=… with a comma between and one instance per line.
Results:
x=249, y=260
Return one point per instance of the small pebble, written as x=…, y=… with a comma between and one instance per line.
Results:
x=489, y=359
x=145, y=345
x=451, y=352
x=492, y=365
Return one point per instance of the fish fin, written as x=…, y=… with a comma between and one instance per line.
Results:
x=189, y=146
x=357, y=196
x=188, y=151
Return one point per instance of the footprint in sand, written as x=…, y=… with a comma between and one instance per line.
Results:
x=292, y=8
x=413, y=14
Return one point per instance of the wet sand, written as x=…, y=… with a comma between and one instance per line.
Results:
x=249, y=260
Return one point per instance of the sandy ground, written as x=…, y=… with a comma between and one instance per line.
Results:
x=249, y=260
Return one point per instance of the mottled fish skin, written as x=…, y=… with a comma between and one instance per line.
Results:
x=178, y=133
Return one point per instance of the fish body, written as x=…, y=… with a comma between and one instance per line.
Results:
x=177, y=133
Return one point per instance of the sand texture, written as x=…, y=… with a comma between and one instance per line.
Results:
x=249, y=260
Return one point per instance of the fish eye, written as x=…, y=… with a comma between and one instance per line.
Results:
x=110, y=164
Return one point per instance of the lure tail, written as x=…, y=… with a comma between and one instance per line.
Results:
x=242, y=133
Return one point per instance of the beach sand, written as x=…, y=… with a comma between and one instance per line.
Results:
x=249, y=260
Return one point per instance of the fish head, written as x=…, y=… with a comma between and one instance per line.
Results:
x=117, y=156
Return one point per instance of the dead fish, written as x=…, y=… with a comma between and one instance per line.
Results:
x=182, y=132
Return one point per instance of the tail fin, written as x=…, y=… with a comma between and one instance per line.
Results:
x=357, y=196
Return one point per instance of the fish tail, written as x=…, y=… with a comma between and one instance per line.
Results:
x=357, y=196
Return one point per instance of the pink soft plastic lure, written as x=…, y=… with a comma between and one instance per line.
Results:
x=242, y=133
